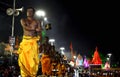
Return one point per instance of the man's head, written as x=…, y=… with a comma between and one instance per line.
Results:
x=30, y=11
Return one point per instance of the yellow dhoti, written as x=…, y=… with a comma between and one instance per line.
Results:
x=46, y=65
x=28, y=56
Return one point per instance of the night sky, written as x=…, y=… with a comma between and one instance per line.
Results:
x=85, y=24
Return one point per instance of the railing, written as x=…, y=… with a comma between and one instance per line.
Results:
x=111, y=72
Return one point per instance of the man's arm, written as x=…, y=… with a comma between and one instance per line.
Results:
x=39, y=30
x=25, y=26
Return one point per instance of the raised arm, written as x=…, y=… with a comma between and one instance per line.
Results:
x=39, y=30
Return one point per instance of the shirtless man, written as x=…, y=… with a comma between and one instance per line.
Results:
x=28, y=50
x=30, y=25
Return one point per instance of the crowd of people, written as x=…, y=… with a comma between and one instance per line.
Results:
x=9, y=71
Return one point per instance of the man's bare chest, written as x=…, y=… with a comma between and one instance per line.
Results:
x=32, y=23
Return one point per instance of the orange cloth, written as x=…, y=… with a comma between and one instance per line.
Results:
x=46, y=64
x=28, y=56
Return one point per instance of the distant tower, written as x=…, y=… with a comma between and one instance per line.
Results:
x=79, y=60
x=85, y=63
x=107, y=65
x=96, y=58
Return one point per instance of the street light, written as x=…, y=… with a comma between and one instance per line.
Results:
x=40, y=13
x=109, y=54
x=52, y=41
x=74, y=57
x=45, y=18
x=62, y=50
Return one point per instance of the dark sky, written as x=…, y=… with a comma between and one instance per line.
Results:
x=85, y=24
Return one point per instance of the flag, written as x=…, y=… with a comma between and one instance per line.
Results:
x=71, y=47
x=71, y=50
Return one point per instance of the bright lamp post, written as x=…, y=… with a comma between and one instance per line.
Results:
x=45, y=18
x=109, y=54
x=40, y=13
x=74, y=57
x=52, y=41
x=62, y=50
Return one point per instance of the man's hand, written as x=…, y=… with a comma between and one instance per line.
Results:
x=15, y=52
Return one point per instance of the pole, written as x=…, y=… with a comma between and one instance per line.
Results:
x=12, y=34
x=13, y=18
x=110, y=61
